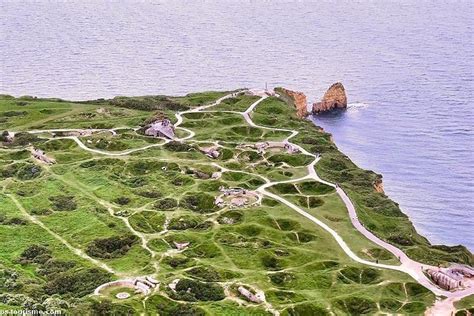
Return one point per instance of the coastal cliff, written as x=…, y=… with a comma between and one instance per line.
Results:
x=378, y=185
x=298, y=99
x=381, y=215
x=334, y=98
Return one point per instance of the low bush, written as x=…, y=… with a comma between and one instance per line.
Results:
x=28, y=172
x=111, y=247
x=63, y=203
x=77, y=283
x=190, y=290
x=122, y=200
x=198, y=202
x=166, y=204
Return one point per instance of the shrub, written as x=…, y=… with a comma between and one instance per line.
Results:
x=208, y=274
x=230, y=217
x=111, y=247
x=33, y=253
x=63, y=203
x=177, y=261
x=23, y=139
x=122, y=200
x=281, y=278
x=198, y=202
x=76, y=283
x=151, y=194
x=28, y=172
x=52, y=267
x=271, y=262
x=190, y=290
x=183, y=222
x=166, y=204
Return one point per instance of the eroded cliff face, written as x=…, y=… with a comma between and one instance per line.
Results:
x=297, y=98
x=378, y=185
x=334, y=98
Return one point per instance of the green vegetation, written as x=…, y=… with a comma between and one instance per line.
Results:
x=152, y=212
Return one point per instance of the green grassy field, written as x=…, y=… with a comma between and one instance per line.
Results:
x=90, y=218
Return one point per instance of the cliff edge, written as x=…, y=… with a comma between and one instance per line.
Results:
x=298, y=99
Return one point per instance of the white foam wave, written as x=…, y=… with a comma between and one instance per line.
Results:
x=357, y=105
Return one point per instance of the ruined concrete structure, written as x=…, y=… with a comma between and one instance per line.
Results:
x=255, y=298
x=181, y=245
x=41, y=156
x=162, y=128
x=261, y=147
x=334, y=98
x=444, y=279
x=211, y=152
x=143, y=285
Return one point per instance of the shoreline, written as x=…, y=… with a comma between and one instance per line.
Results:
x=326, y=152
x=388, y=190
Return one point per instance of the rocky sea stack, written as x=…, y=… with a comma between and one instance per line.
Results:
x=334, y=98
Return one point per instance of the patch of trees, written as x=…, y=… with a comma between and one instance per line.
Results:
x=198, y=202
x=61, y=277
x=62, y=203
x=191, y=291
x=112, y=247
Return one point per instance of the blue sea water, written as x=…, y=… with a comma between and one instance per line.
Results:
x=407, y=67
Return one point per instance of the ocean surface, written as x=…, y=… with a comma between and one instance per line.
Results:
x=407, y=68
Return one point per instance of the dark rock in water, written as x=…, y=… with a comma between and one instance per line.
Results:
x=334, y=98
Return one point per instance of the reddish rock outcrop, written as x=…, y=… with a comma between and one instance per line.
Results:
x=378, y=185
x=334, y=98
x=298, y=99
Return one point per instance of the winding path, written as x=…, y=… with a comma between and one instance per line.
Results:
x=409, y=266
